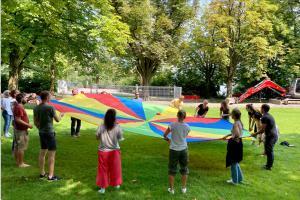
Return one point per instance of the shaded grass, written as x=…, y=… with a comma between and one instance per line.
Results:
x=144, y=162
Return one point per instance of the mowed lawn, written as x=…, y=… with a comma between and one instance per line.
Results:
x=145, y=161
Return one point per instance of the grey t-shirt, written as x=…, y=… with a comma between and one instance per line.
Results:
x=179, y=131
x=44, y=113
x=109, y=140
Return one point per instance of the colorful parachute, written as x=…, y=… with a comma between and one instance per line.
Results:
x=139, y=117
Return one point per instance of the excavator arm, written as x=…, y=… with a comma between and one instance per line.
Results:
x=264, y=84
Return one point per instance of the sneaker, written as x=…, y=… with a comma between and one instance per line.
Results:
x=54, y=178
x=44, y=176
x=231, y=182
x=102, y=190
x=24, y=165
x=267, y=168
x=183, y=190
x=117, y=187
x=7, y=135
x=171, y=191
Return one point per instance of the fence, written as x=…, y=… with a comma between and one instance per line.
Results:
x=146, y=92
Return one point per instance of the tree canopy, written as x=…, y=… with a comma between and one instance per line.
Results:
x=236, y=42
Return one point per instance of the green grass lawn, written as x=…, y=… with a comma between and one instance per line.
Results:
x=144, y=162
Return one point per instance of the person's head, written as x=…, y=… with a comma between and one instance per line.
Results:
x=33, y=95
x=181, y=115
x=224, y=104
x=74, y=91
x=137, y=95
x=181, y=98
x=110, y=119
x=265, y=108
x=205, y=102
x=14, y=93
x=249, y=108
x=6, y=94
x=21, y=98
x=236, y=114
x=45, y=96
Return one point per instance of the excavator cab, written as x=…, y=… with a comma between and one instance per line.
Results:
x=294, y=91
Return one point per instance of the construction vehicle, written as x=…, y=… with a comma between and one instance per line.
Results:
x=293, y=96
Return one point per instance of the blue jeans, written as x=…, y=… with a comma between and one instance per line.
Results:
x=236, y=173
x=7, y=121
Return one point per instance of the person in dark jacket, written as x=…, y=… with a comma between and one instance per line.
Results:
x=268, y=126
x=235, y=148
x=75, y=132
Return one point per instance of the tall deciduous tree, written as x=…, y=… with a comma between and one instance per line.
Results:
x=39, y=31
x=157, y=28
x=244, y=31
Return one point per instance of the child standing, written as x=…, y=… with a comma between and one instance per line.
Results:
x=235, y=148
x=109, y=155
x=178, y=150
x=224, y=110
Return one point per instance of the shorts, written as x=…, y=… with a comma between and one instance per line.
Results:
x=48, y=141
x=20, y=139
x=180, y=157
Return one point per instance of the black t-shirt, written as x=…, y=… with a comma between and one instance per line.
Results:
x=202, y=110
x=270, y=129
x=255, y=114
x=226, y=112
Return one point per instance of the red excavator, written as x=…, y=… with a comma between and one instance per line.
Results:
x=294, y=91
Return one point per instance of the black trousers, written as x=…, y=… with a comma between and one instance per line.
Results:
x=75, y=122
x=269, y=146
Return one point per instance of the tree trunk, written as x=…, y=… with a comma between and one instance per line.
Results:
x=14, y=69
x=229, y=87
x=146, y=69
x=52, y=78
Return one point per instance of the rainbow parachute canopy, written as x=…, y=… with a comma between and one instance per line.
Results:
x=140, y=117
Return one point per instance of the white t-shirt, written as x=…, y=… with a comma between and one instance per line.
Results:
x=6, y=104
x=109, y=140
x=179, y=131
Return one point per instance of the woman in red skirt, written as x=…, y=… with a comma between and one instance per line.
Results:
x=109, y=155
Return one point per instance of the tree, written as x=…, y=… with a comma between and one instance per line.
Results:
x=39, y=31
x=157, y=28
x=244, y=32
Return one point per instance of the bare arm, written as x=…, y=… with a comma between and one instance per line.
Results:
x=261, y=130
x=56, y=118
x=167, y=132
x=204, y=114
x=20, y=121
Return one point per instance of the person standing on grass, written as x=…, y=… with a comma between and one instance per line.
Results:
x=109, y=156
x=268, y=126
x=202, y=109
x=43, y=119
x=178, y=152
x=235, y=148
x=177, y=103
x=254, y=121
x=7, y=113
x=13, y=95
x=21, y=125
x=224, y=110
x=74, y=121
x=137, y=97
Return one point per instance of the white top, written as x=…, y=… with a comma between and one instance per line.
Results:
x=6, y=104
x=109, y=140
x=179, y=131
